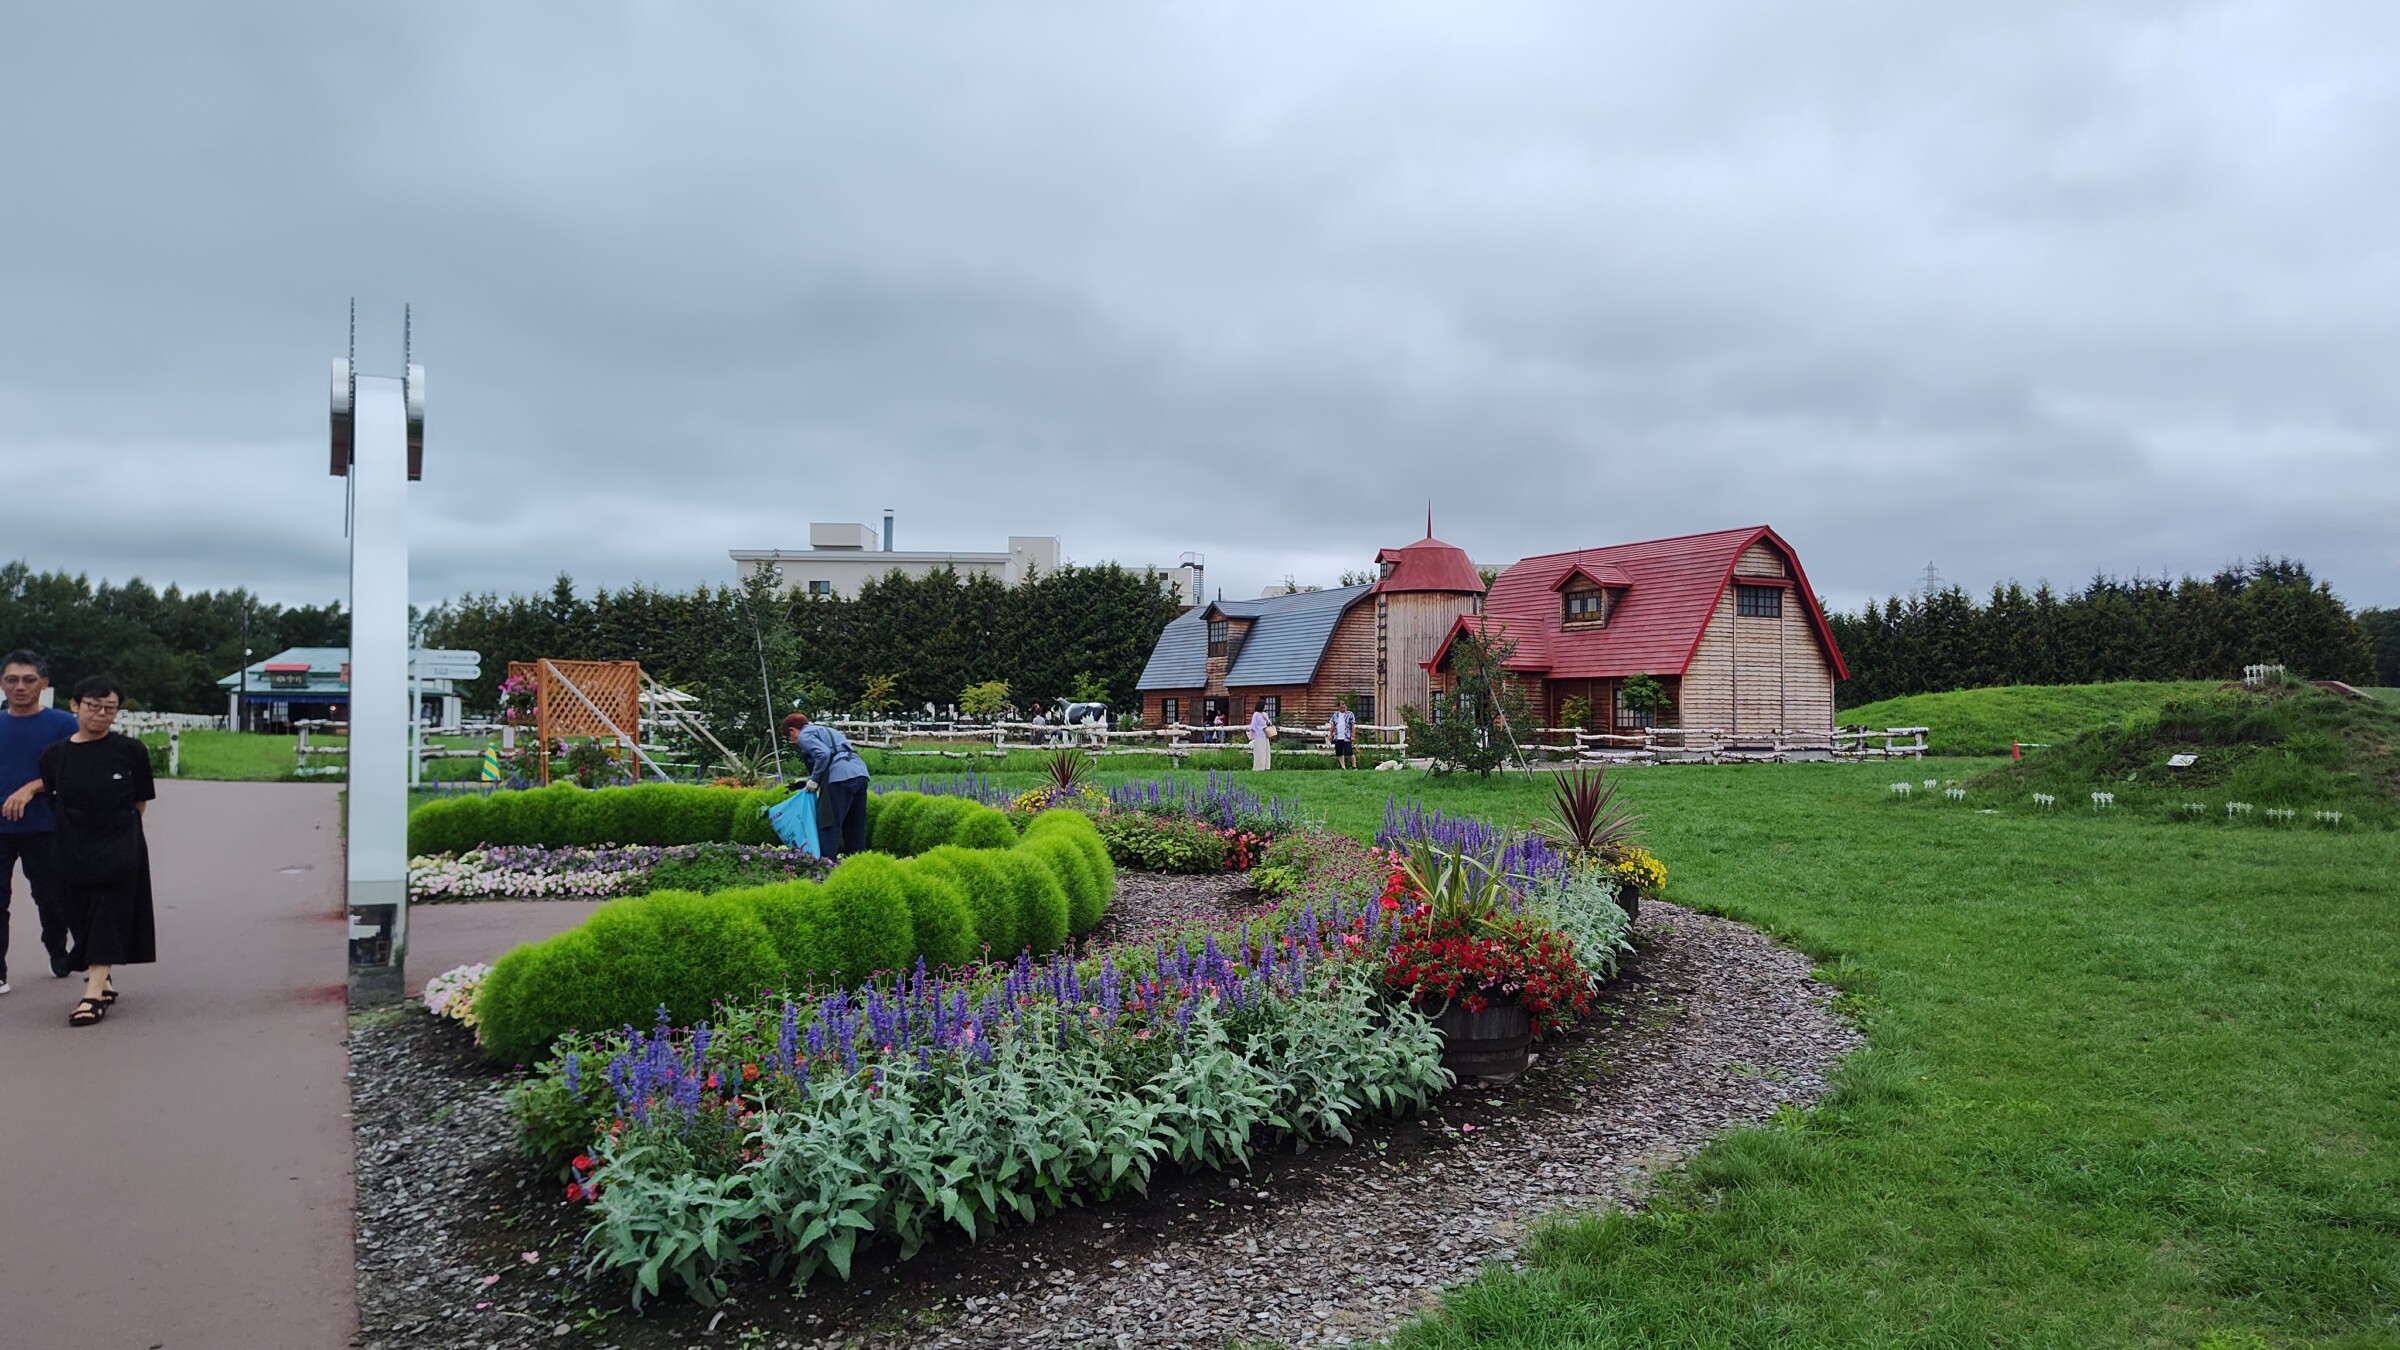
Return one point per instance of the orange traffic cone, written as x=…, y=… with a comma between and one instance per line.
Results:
x=2015, y=751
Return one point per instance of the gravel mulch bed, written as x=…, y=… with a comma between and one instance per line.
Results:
x=1711, y=1025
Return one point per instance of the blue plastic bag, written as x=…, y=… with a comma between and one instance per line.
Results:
x=795, y=821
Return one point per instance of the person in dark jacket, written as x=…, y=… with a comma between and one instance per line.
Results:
x=26, y=730
x=839, y=777
x=98, y=786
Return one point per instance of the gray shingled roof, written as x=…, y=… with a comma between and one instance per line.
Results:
x=1283, y=647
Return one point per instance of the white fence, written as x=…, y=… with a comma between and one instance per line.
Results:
x=1715, y=745
x=995, y=739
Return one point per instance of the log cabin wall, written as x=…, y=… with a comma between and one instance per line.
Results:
x=1410, y=627
x=1754, y=674
x=1348, y=666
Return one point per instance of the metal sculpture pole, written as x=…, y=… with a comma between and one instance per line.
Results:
x=377, y=438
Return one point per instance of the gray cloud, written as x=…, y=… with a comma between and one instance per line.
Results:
x=2053, y=290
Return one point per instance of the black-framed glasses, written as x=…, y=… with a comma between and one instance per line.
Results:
x=98, y=709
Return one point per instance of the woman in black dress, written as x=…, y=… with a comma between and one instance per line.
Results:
x=99, y=785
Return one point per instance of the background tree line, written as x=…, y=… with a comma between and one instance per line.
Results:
x=2267, y=611
x=903, y=643
x=167, y=647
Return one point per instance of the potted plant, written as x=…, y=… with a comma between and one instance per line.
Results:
x=1638, y=872
x=1492, y=981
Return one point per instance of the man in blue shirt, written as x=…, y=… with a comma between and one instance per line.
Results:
x=26, y=731
x=839, y=778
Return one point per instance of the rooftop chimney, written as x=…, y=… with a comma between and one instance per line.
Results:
x=887, y=529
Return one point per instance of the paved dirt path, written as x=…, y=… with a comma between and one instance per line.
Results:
x=178, y=1177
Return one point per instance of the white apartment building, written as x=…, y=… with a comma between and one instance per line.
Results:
x=842, y=557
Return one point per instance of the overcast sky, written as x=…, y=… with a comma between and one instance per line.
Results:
x=2030, y=290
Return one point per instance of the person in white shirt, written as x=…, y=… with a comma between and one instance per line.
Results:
x=1259, y=759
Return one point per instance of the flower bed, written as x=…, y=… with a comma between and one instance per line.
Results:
x=532, y=872
x=788, y=1128
x=794, y=1131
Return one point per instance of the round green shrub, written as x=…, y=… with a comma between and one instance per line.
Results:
x=1041, y=901
x=984, y=827
x=937, y=908
x=540, y=990
x=446, y=826
x=681, y=951
x=1084, y=899
x=552, y=815
x=893, y=828
x=937, y=819
x=793, y=912
x=750, y=824
x=503, y=812
x=990, y=897
x=866, y=919
x=1074, y=833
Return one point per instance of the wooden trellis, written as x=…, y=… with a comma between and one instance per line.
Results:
x=599, y=699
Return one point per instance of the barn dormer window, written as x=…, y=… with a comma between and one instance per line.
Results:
x=1219, y=633
x=1758, y=602
x=1588, y=608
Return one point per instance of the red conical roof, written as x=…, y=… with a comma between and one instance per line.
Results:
x=1428, y=565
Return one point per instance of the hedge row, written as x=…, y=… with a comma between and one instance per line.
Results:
x=653, y=813
x=899, y=823
x=948, y=906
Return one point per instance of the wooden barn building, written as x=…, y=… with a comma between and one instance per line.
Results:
x=1725, y=621
x=1297, y=655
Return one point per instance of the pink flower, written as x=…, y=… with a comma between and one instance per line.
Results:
x=490, y=1280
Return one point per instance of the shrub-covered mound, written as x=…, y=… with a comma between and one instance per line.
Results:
x=2297, y=748
x=874, y=913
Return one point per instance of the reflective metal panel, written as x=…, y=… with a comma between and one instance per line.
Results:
x=378, y=796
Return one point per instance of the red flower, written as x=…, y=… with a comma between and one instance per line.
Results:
x=582, y=1163
x=574, y=1190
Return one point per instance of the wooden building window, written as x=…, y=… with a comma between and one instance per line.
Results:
x=1271, y=705
x=1218, y=632
x=1587, y=608
x=1362, y=707
x=1758, y=602
x=1168, y=710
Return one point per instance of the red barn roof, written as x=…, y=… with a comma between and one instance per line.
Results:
x=1669, y=590
x=1428, y=565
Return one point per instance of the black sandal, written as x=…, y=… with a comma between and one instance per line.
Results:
x=108, y=997
x=88, y=1013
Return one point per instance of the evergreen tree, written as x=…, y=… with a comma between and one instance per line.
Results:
x=2266, y=611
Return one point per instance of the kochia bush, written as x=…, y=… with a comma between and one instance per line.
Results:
x=873, y=915
x=666, y=814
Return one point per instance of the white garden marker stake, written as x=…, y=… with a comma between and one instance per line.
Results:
x=378, y=437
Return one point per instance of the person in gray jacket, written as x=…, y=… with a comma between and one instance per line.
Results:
x=839, y=776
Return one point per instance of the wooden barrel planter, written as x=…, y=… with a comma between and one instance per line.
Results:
x=1493, y=1043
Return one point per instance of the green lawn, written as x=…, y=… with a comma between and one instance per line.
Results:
x=2128, y=1083
x=2388, y=693
x=252, y=757
x=242, y=756
x=1984, y=721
